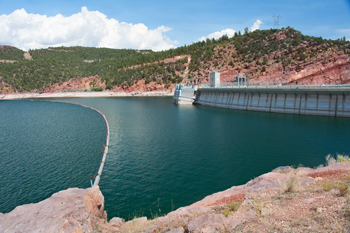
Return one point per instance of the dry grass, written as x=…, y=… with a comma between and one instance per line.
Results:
x=290, y=185
x=308, y=211
x=234, y=206
x=258, y=206
x=326, y=186
x=339, y=158
x=137, y=225
x=226, y=212
x=343, y=188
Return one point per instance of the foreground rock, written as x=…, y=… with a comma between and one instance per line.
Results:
x=284, y=200
x=72, y=210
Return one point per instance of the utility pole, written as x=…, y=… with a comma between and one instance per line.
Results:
x=277, y=19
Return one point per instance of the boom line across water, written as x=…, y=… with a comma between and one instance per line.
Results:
x=103, y=161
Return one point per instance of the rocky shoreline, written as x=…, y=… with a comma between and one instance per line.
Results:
x=283, y=200
x=84, y=94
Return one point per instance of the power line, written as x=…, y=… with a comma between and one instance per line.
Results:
x=277, y=19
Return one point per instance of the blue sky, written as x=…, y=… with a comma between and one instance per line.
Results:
x=183, y=22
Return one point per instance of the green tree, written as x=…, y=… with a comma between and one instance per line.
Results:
x=246, y=30
x=265, y=61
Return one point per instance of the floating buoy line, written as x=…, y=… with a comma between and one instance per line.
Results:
x=105, y=151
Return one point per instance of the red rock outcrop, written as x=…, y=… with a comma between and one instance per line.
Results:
x=77, y=84
x=27, y=56
x=331, y=67
x=7, y=61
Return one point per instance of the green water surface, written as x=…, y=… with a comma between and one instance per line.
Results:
x=163, y=156
x=45, y=148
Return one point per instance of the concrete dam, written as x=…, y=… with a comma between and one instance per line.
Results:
x=325, y=100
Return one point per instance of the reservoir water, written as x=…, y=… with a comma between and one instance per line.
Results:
x=45, y=148
x=161, y=156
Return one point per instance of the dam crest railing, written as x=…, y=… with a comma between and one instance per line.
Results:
x=268, y=85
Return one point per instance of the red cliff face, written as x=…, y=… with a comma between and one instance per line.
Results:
x=316, y=73
x=80, y=84
x=323, y=65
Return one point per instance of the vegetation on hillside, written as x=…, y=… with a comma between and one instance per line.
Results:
x=10, y=53
x=257, y=50
x=253, y=50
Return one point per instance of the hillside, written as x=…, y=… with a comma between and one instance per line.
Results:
x=269, y=56
x=10, y=53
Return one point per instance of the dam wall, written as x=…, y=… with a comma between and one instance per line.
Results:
x=305, y=100
x=184, y=95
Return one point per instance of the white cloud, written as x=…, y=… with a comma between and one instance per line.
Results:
x=86, y=28
x=256, y=25
x=344, y=31
x=229, y=32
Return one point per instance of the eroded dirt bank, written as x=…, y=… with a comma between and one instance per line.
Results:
x=84, y=94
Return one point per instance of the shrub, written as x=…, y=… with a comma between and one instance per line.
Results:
x=148, y=80
x=226, y=212
x=290, y=185
x=235, y=205
x=173, y=80
x=97, y=89
x=109, y=85
x=265, y=61
x=327, y=186
x=342, y=158
x=343, y=188
x=302, y=56
x=263, y=69
x=258, y=206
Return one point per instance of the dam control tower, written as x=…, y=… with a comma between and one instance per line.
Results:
x=187, y=94
x=215, y=79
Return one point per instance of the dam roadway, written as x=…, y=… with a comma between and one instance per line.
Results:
x=325, y=100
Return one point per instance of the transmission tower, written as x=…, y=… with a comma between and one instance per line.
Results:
x=277, y=20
